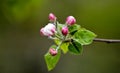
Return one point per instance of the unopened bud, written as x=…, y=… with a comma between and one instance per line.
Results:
x=70, y=20
x=65, y=30
x=53, y=52
x=52, y=17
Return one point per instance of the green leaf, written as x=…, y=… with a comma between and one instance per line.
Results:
x=57, y=41
x=74, y=28
x=51, y=61
x=84, y=36
x=60, y=25
x=75, y=47
x=64, y=46
x=59, y=28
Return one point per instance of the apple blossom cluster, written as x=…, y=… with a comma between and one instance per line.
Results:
x=51, y=30
x=68, y=37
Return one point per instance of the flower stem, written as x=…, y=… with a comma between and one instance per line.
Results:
x=59, y=45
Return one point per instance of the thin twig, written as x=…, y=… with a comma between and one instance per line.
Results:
x=107, y=40
x=101, y=40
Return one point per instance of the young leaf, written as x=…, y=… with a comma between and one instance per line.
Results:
x=51, y=61
x=64, y=46
x=59, y=28
x=75, y=47
x=84, y=36
x=74, y=28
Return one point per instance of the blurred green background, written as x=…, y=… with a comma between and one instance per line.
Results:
x=22, y=48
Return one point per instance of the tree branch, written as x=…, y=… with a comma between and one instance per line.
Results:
x=101, y=40
x=107, y=40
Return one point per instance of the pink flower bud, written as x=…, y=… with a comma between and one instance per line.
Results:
x=42, y=31
x=48, y=30
x=65, y=30
x=52, y=17
x=53, y=52
x=70, y=20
